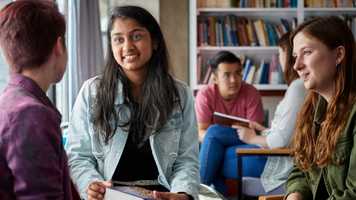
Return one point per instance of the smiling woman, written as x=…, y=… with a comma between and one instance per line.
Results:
x=324, y=140
x=134, y=111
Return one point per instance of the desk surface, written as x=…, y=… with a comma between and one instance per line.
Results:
x=271, y=152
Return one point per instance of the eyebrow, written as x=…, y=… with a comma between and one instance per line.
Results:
x=132, y=31
x=301, y=49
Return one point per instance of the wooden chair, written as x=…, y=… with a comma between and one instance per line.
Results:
x=271, y=197
x=256, y=152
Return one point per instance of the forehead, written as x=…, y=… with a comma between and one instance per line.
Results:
x=123, y=25
x=229, y=67
x=303, y=40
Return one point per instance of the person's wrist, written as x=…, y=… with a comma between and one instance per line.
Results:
x=189, y=197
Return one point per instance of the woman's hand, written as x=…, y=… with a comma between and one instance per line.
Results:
x=96, y=190
x=257, y=126
x=249, y=136
x=294, y=196
x=246, y=135
x=169, y=196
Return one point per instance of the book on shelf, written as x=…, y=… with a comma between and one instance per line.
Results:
x=128, y=193
x=229, y=120
x=230, y=30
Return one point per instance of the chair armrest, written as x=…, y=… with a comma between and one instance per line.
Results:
x=263, y=152
x=271, y=197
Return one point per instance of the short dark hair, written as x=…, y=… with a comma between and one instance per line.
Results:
x=223, y=57
x=28, y=32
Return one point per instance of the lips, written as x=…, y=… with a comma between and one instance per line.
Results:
x=130, y=58
x=304, y=76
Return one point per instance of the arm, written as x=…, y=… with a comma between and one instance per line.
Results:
x=36, y=156
x=82, y=162
x=297, y=185
x=202, y=129
x=185, y=177
x=204, y=112
x=350, y=179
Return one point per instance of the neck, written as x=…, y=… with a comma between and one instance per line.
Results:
x=38, y=75
x=136, y=77
x=328, y=92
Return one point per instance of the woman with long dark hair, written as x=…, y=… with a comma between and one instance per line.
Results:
x=135, y=112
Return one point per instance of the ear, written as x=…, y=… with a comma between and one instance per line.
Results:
x=59, y=47
x=214, y=77
x=340, y=54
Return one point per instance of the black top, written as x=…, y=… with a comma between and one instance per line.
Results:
x=322, y=190
x=136, y=163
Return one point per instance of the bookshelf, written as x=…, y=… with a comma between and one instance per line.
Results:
x=297, y=11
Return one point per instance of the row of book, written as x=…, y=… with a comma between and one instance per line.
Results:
x=247, y=3
x=253, y=72
x=330, y=3
x=230, y=30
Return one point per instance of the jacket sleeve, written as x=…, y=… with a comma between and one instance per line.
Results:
x=350, y=182
x=297, y=182
x=35, y=155
x=81, y=159
x=185, y=176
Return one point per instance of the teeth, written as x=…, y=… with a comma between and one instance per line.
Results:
x=130, y=58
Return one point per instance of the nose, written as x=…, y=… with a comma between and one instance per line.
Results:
x=298, y=64
x=128, y=45
x=233, y=78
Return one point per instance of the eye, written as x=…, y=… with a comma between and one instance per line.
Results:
x=307, y=52
x=238, y=73
x=118, y=40
x=136, y=36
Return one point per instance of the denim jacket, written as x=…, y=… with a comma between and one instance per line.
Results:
x=174, y=147
x=339, y=178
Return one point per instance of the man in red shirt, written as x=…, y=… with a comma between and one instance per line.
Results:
x=229, y=95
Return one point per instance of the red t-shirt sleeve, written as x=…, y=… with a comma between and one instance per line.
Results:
x=203, y=106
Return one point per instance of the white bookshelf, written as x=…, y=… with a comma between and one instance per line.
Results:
x=257, y=52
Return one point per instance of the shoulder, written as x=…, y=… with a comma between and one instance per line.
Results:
x=183, y=89
x=18, y=102
x=296, y=89
x=297, y=84
x=90, y=87
x=249, y=90
x=207, y=90
x=92, y=83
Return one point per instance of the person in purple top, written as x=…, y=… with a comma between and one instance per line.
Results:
x=33, y=163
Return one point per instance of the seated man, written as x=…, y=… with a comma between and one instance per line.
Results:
x=229, y=95
x=33, y=163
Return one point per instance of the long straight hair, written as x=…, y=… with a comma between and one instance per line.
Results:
x=289, y=73
x=311, y=149
x=159, y=92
